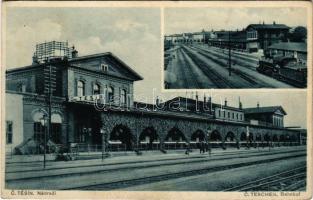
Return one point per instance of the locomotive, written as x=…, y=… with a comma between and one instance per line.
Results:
x=285, y=68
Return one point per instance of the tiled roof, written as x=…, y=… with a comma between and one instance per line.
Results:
x=292, y=46
x=269, y=109
x=268, y=26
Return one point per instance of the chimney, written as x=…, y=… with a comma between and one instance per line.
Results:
x=274, y=23
x=157, y=101
x=225, y=102
x=263, y=23
x=258, y=105
x=74, y=52
x=240, y=104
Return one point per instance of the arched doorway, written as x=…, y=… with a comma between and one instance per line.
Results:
x=251, y=140
x=267, y=139
x=56, y=128
x=215, y=139
x=197, y=137
x=282, y=139
x=275, y=140
x=243, y=139
x=293, y=140
x=149, y=139
x=230, y=140
x=121, y=138
x=175, y=139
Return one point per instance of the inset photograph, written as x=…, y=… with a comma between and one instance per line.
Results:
x=235, y=48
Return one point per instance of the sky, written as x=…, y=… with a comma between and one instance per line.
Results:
x=180, y=20
x=133, y=34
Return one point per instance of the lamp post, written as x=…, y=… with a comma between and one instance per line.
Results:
x=103, y=134
x=43, y=122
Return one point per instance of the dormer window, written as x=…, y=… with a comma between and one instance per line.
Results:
x=104, y=67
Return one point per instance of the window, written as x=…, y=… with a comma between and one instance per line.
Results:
x=123, y=96
x=9, y=132
x=233, y=115
x=224, y=113
x=21, y=87
x=96, y=89
x=237, y=116
x=219, y=113
x=81, y=136
x=228, y=114
x=104, y=67
x=110, y=94
x=38, y=131
x=80, y=88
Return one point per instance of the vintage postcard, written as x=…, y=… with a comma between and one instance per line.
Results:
x=156, y=100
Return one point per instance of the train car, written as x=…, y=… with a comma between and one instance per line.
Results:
x=287, y=69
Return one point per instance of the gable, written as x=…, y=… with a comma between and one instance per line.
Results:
x=279, y=112
x=115, y=66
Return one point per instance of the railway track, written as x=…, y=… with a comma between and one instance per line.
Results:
x=216, y=78
x=237, y=59
x=189, y=78
x=129, y=165
x=285, y=181
x=217, y=59
x=251, y=61
x=242, y=64
x=186, y=173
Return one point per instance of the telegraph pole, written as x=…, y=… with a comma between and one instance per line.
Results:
x=229, y=54
x=50, y=85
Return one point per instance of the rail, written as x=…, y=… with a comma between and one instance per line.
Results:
x=277, y=178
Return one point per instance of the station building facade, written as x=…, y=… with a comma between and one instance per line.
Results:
x=253, y=38
x=116, y=117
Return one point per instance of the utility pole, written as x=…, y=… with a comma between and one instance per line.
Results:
x=229, y=54
x=50, y=85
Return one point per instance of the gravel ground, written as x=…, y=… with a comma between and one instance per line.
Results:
x=222, y=180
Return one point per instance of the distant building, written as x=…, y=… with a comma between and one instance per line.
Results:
x=194, y=37
x=289, y=49
x=273, y=115
x=261, y=36
x=234, y=39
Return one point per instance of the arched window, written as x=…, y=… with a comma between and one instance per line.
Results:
x=80, y=88
x=110, y=94
x=56, y=128
x=39, y=128
x=96, y=89
x=123, y=96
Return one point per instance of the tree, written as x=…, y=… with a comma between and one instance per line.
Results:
x=298, y=35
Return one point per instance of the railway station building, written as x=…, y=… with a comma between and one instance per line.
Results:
x=253, y=38
x=93, y=105
x=261, y=36
x=296, y=50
